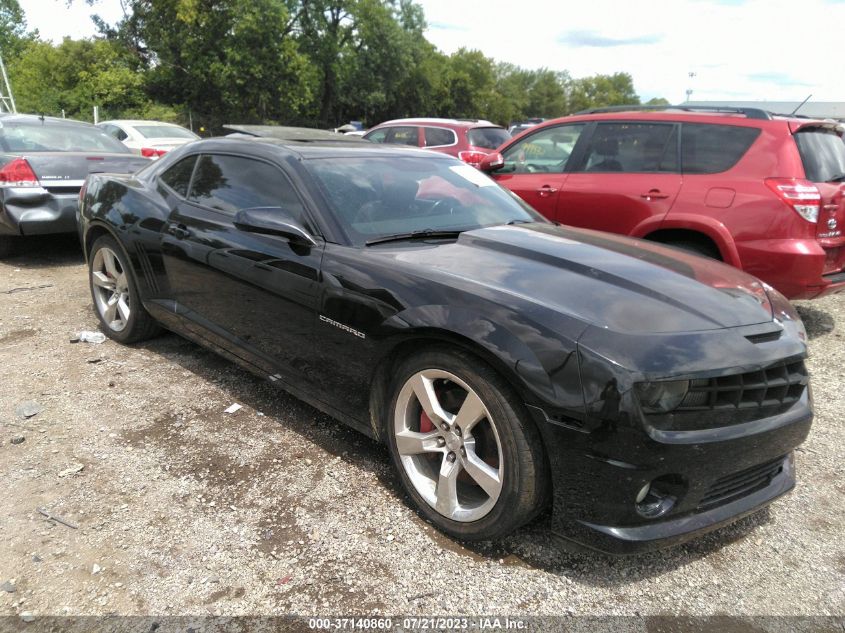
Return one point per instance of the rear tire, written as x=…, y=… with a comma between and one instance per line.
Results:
x=466, y=452
x=114, y=290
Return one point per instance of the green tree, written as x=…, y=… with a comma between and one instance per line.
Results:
x=602, y=90
x=12, y=29
x=74, y=76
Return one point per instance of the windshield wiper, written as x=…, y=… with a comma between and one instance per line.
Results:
x=838, y=178
x=512, y=222
x=415, y=235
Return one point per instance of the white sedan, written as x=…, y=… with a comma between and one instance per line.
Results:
x=148, y=138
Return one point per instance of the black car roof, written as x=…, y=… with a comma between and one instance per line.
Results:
x=317, y=148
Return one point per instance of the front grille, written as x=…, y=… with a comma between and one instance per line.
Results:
x=740, y=484
x=776, y=386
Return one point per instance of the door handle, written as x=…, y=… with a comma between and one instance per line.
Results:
x=654, y=194
x=179, y=230
x=546, y=191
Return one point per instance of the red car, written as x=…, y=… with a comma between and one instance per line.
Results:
x=762, y=192
x=468, y=139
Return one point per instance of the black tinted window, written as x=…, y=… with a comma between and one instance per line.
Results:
x=709, y=149
x=178, y=177
x=632, y=148
x=57, y=137
x=823, y=154
x=435, y=136
x=404, y=136
x=232, y=183
x=487, y=137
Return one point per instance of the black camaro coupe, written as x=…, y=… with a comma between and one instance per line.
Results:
x=509, y=364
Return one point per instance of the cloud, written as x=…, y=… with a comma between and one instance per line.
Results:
x=591, y=38
x=782, y=79
x=446, y=26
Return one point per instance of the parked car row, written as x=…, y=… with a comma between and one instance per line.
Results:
x=510, y=364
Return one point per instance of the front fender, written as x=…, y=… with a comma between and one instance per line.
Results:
x=541, y=364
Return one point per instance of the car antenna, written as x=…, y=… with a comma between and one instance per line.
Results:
x=800, y=105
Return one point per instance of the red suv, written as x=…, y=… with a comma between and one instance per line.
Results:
x=762, y=192
x=468, y=139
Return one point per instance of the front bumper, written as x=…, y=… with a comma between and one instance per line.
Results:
x=37, y=211
x=626, y=540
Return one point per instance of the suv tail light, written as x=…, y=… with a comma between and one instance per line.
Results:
x=801, y=195
x=18, y=173
x=472, y=157
x=150, y=152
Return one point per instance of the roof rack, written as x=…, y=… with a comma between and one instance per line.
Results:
x=751, y=113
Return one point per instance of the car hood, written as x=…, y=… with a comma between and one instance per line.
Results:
x=607, y=281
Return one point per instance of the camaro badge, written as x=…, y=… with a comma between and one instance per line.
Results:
x=343, y=327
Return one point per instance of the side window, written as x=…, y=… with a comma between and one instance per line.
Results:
x=178, y=177
x=632, y=148
x=438, y=136
x=547, y=150
x=404, y=136
x=377, y=136
x=114, y=131
x=231, y=183
x=709, y=149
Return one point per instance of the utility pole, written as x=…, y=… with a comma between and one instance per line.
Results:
x=691, y=76
x=7, y=101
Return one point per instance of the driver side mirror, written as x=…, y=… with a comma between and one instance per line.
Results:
x=491, y=162
x=273, y=221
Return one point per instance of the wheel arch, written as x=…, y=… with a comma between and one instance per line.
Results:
x=713, y=234
x=413, y=341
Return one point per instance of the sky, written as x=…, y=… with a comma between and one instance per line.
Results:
x=774, y=50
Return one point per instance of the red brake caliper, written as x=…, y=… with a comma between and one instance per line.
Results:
x=425, y=423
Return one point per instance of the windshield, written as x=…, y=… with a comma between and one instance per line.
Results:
x=164, y=131
x=49, y=137
x=377, y=197
x=487, y=137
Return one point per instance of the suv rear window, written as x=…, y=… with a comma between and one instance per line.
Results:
x=823, y=154
x=487, y=137
x=710, y=149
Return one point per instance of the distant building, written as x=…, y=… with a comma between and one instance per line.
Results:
x=814, y=109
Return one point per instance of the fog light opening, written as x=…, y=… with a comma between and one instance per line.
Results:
x=653, y=502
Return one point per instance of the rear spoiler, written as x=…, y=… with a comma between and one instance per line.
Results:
x=826, y=124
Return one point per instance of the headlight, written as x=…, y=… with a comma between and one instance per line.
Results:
x=661, y=397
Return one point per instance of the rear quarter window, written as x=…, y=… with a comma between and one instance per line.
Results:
x=710, y=149
x=437, y=136
x=823, y=154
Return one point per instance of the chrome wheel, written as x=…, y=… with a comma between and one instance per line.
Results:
x=448, y=445
x=110, y=289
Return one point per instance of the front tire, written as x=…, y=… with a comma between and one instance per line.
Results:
x=115, y=294
x=463, y=446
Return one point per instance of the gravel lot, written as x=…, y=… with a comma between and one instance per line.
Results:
x=184, y=509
